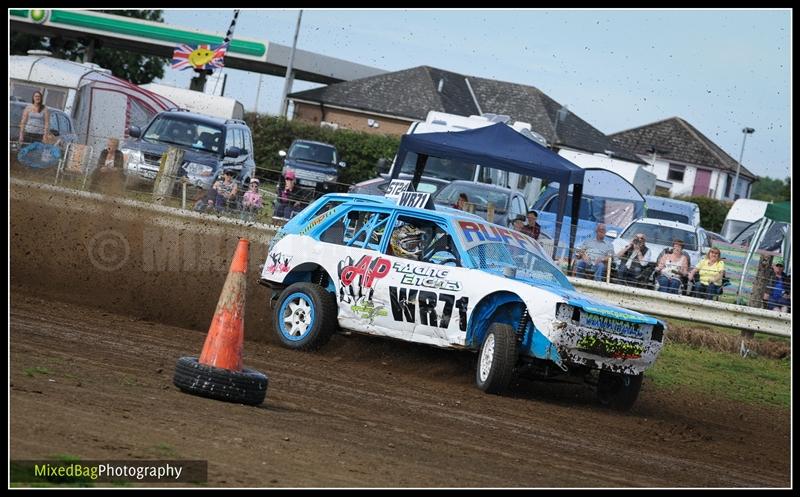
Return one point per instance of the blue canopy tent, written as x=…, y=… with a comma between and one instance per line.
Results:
x=501, y=147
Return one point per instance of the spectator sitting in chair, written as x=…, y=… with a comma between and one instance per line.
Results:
x=461, y=203
x=226, y=190
x=205, y=200
x=633, y=259
x=252, y=201
x=711, y=270
x=593, y=255
x=287, y=204
x=672, y=267
x=108, y=175
x=519, y=223
x=532, y=229
x=777, y=292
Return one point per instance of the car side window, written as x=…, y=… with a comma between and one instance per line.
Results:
x=422, y=240
x=54, y=121
x=358, y=228
x=230, y=140
x=238, y=138
x=516, y=208
x=246, y=141
x=64, y=124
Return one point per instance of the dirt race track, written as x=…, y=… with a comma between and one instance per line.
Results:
x=95, y=381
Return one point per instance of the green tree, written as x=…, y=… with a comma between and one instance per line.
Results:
x=134, y=67
x=771, y=190
x=712, y=211
x=360, y=150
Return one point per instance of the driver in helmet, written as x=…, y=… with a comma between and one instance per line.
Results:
x=407, y=241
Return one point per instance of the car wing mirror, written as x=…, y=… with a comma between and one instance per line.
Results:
x=342, y=164
x=134, y=132
x=612, y=234
x=233, y=152
x=282, y=153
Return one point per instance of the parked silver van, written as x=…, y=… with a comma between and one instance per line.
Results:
x=671, y=209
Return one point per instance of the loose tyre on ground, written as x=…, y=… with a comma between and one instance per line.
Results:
x=306, y=316
x=497, y=358
x=618, y=391
x=244, y=387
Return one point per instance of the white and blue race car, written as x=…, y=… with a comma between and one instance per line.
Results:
x=450, y=279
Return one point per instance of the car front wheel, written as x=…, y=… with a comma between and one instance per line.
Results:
x=306, y=316
x=618, y=391
x=497, y=358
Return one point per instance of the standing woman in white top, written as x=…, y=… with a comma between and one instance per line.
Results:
x=35, y=120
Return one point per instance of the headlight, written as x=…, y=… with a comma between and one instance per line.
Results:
x=131, y=155
x=567, y=313
x=196, y=169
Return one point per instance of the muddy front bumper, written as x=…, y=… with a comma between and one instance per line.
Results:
x=600, y=349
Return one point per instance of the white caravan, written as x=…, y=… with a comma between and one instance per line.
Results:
x=742, y=214
x=101, y=105
x=199, y=102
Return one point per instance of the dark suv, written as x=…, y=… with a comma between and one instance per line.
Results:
x=315, y=164
x=211, y=145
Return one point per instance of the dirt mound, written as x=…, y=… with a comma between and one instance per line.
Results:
x=703, y=337
x=108, y=256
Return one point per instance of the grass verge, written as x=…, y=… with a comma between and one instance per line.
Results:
x=722, y=374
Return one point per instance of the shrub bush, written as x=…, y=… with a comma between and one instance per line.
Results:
x=712, y=211
x=360, y=150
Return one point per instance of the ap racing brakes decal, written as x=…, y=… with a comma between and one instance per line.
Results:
x=433, y=308
x=357, y=282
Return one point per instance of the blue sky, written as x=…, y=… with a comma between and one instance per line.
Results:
x=720, y=70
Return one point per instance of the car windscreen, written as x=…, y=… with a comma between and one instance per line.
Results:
x=189, y=134
x=498, y=257
x=667, y=216
x=435, y=167
x=477, y=195
x=313, y=152
x=732, y=228
x=661, y=235
x=771, y=240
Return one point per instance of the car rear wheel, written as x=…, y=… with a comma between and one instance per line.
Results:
x=497, y=359
x=306, y=316
x=618, y=391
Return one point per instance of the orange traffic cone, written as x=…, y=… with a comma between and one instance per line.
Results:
x=218, y=373
x=225, y=340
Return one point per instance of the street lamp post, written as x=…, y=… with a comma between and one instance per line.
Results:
x=287, y=83
x=745, y=132
x=560, y=116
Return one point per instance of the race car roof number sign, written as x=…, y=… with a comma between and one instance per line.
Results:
x=396, y=187
x=414, y=199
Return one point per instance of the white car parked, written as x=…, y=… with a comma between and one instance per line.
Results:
x=660, y=234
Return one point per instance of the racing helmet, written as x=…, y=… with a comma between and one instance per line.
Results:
x=407, y=241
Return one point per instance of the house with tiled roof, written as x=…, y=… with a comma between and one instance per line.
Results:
x=388, y=103
x=686, y=161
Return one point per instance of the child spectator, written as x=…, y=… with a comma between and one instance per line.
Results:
x=287, y=203
x=252, y=201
